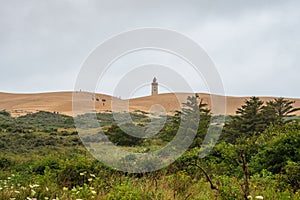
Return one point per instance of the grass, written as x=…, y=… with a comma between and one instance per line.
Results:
x=42, y=157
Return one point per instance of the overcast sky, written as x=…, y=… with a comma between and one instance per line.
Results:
x=255, y=44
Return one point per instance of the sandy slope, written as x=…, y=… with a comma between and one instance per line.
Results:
x=20, y=104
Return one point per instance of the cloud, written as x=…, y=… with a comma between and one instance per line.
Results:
x=255, y=45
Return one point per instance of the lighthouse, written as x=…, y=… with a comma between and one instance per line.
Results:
x=154, y=84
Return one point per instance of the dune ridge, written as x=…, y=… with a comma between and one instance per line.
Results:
x=21, y=104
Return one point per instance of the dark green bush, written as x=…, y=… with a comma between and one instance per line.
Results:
x=292, y=170
x=5, y=163
x=277, y=152
x=40, y=166
x=5, y=113
x=117, y=136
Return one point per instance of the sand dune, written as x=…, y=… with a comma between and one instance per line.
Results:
x=21, y=104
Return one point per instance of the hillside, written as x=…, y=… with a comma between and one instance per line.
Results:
x=20, y=104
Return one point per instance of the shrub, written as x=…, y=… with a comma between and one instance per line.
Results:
x=5, y=163
x=117, y=136
x=293, y=175
x=277, y=152
x=5, y=113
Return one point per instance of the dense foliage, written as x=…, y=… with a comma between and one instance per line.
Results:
x=254, y=117
x=42, y=157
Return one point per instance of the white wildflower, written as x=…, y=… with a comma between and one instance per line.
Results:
x=33, y=192
x=259, y=197
x=34, y=185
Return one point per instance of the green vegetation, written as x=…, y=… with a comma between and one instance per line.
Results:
x=42, y=156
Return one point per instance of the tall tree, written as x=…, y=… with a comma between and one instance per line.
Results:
x=192, y=110
x=249, y=120
x=278, y=109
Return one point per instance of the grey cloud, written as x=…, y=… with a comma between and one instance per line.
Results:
x=255, y=44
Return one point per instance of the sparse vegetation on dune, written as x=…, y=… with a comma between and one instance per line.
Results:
x=258, y=156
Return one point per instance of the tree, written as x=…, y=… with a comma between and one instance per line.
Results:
x=278, y=109
x=190, y=111
x=248, y=121
x=250, y=116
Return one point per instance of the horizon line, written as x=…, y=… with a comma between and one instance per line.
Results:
x=226, y=95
